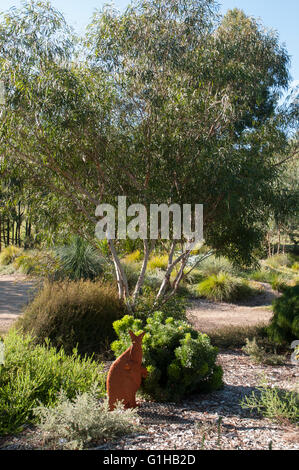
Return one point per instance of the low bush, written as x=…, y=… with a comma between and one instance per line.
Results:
x=133, y=257
x=223, y=287
x=262, y=275
x=273, y=403
x=82, y=421
x=37, y=263
x=34, y=374
x=260, y=356
x=180, y=361
x=295, y=266
x=279, y=283
x=158, y=262
x=74, y=314
x=8, y=254
x=284, y=326
x=212, y=266
x=280, y=260
x=79, y=260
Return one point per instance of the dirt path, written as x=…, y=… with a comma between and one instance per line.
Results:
x=206, y=315
x=15, y=292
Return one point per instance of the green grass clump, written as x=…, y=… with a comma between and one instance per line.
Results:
x=279, y=261
x=158, y=262
x=37, y=263
x=78, y=423
x=74, y=314
x=79, y=260
x=279, y=283
x=262, y=275
x=212, y=266
x=224, y=288
x=9, y=254
x=34, y=374
x=133, y=257
x=295, y=266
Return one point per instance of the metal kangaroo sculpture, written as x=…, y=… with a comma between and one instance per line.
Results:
x=125, y=375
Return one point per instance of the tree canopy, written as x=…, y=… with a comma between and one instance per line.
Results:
x=166, y=102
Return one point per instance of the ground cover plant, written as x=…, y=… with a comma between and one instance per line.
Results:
x=34, y=374
x=273, y=403
x=83, y=421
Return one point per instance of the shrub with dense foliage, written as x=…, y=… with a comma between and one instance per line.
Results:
x=80, y=422
x=74, y=314
x=180, y=360
x=223, y=287
x=34, y=374
x=284, y=327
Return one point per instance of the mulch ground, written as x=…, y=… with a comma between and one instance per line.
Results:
x=213, y=421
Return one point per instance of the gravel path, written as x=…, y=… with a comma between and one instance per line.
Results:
x=206, y=315
x=15, y=292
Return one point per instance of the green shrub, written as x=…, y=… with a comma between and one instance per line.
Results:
x=133, y=257
x=37, y=263
x=284, y=326
x=262, y=275
x=280, y=260
x=158, y=262
x=78, y=423
x=215, y=265
x=74, y=314
x=79, y=260
x=295, y=266
x=279, y=283
x=9, y=254
x=180, y=361
x=259, y=355
x=274, y=403
x=223, y=287
x=35, y=374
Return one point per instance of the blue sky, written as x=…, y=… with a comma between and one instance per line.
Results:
x=282, y=15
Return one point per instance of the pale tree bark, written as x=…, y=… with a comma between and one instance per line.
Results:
x=171, y=265
x=147, y=251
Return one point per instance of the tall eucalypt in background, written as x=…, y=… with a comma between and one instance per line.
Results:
x=166, y=102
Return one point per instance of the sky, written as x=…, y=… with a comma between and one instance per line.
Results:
x=281, y=15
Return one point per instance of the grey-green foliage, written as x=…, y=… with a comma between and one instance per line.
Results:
x=83, y=421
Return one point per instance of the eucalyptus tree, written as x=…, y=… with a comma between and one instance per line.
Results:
x=164, y=103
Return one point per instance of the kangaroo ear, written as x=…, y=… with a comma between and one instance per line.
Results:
x=141, y=335
x=133, y=337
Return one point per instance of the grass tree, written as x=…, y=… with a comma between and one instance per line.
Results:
x=164, y=103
